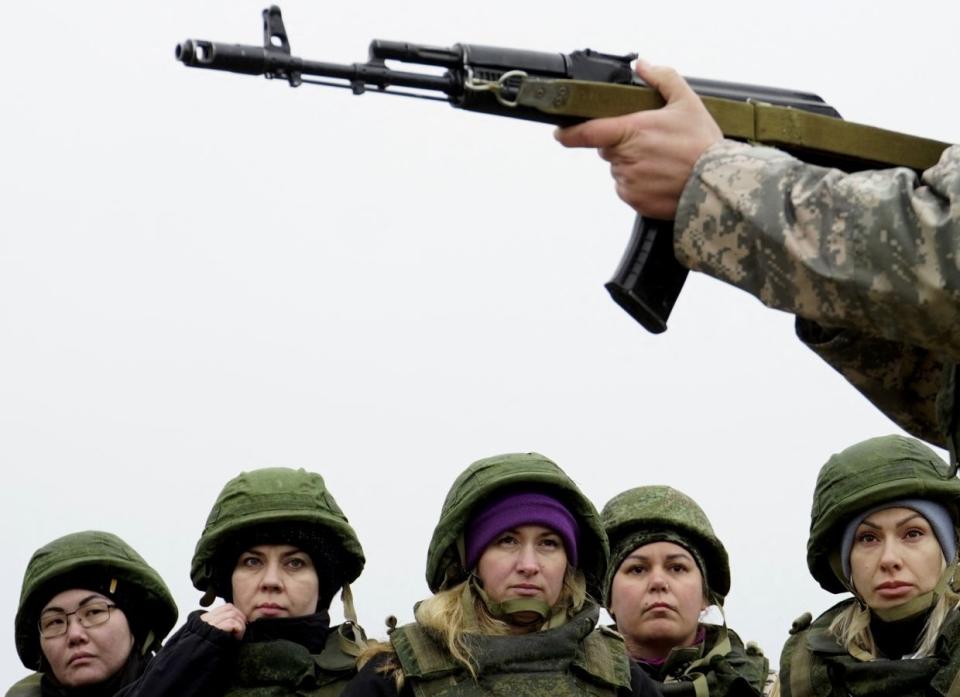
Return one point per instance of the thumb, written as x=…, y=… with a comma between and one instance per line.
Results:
x=667, y=81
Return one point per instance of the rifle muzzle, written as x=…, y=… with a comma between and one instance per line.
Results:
x=237, y=58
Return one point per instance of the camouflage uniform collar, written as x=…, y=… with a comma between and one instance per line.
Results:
x=681, y=657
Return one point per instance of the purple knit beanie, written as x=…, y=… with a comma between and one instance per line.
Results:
x=514, y=510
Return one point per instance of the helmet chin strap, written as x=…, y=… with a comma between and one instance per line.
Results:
x=208, y=596
x=521, y=612
x=922, y=602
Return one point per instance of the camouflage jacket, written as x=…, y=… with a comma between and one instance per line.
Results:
x=734, y=672
x=868, y=262
x=814, y=665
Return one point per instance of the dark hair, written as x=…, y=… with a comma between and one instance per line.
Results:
x=320, y=547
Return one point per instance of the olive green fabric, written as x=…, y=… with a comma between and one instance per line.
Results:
x=866, y=475
x=728, y=669
x=281, y=668
x=93, y=559
x=570, y=660
x=814, y=664
x=750, y=120
x=28, y=687
x=276, y=499
x=657, y=509
x=517, y=471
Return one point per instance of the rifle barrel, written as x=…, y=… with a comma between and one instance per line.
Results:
x=256, y=60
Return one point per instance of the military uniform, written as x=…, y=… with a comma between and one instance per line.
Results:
x=882, y=470
x=718, y=665
x=815, y=665
x=100, y=562
x=868, y=262
x=727, y=667
x=277, y=657
x=564, y=659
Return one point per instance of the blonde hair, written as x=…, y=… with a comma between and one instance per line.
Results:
x=444, y=615
x=852, y=628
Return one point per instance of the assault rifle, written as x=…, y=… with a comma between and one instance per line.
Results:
x=563, y=89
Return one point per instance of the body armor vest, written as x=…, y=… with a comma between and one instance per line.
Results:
x=719, y=666
x=569, y=661
x=282, y=668
x=813, y=664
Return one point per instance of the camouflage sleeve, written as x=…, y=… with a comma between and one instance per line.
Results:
x=901, y=380
x=875, y=251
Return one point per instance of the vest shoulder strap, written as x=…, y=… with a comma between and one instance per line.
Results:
x=344, y=643
x=603, y=657
x=803, y=672
x=420, y=654
x=28, y=687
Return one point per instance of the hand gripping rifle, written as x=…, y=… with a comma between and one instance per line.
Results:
x=564, y=89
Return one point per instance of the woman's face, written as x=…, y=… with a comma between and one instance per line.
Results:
x=528, y=561
x=275, y=581
x=84, y=655
x=656, y=599
x=895, y=557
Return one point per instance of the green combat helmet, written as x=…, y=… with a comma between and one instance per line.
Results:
x=98, y=561
x=445, y=566
x=659, y=511
x=269, y=506
x=863, y=476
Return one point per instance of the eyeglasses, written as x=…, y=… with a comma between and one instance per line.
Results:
x=54, y=623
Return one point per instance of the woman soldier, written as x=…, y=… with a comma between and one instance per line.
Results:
x=667, y=567
x=516, y=552
x=276, y=548
x=884, y=528
x=91, y=614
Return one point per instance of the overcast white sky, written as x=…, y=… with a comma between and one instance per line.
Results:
x=202, y=273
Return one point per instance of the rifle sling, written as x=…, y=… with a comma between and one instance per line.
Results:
x=758, y=122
